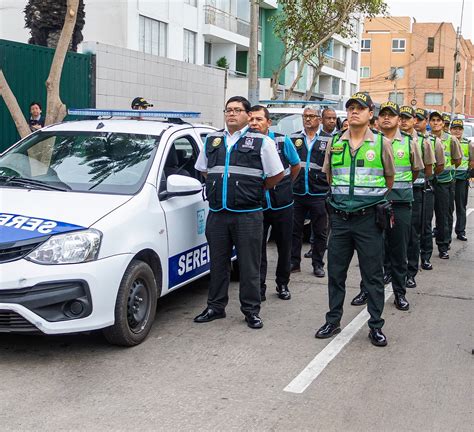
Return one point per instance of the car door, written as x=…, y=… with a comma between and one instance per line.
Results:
x=188, y=253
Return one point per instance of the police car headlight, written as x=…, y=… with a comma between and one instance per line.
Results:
x=71, y=248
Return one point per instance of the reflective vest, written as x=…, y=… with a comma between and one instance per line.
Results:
x=462, y=171
x=357, y=180
x=311, y=180
x=420, y=180
x=402, y=190
x=281, y=195
x=447, y=174
x=234, y=176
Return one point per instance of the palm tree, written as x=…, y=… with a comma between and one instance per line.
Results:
x=45, y=19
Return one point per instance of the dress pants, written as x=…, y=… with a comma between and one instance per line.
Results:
x=224, y=230
x=396, y=246
x=461, y=194
x=426, y=239
x=356, y=233
x=415, y=231
x=316, y=207
x=281, y=222
x=444, y=207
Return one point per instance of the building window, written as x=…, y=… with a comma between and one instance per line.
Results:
x=191, y=2
x=365, y=45
x=354, y=60
x=365, y=72
x=435, y=72
x=433, y=98
x=336, y=84
x=189, y=53
x=431, y=41
x=207, y=53
x=396, y=97
x=153, y=36
x=398, y=45
x=353, y=89
x=397, y=72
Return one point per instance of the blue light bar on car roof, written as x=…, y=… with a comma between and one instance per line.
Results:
x=94, y=112
x=298, y=102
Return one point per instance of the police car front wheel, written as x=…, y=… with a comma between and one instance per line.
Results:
x=135, y=307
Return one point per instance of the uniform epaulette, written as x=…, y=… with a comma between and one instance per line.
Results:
x=406, y=134
x=375, y=131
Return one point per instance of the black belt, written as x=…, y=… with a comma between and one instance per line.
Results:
x=347, y=215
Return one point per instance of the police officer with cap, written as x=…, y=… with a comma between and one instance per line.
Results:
x=407, y=125
x=238, y=165
x=426, y=236
x=444, y=184
x=462, y=177
x=447, y=121
x=140, y=103
x=360, y=170
x=278, y=205
x=310, y=190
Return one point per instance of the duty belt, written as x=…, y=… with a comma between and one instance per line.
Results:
x=348, y=215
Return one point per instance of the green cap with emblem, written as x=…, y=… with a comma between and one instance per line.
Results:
x=392, y=106
x=421, y=113
x=436, y=114
x=363, y=99
x=407, y=111
x=446, y=118
x=457, y=123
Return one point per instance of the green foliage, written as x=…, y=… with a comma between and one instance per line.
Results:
x=222, y=63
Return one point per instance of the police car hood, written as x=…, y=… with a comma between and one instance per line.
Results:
x=27, y=214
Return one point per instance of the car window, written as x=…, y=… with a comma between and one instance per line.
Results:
x=180, y=159
x=104, y=162
x=286, y=124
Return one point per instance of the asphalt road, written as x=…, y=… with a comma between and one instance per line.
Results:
x=223, y=376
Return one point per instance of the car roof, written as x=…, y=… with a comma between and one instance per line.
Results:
x=146, y=127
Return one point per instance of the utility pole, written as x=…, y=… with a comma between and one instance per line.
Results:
x=253, y=53
x=455, y=73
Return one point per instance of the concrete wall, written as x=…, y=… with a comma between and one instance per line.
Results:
x=122, y=75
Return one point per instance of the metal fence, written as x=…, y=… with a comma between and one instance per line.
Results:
x=26, y=68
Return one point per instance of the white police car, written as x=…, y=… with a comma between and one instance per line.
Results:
x=98, y=219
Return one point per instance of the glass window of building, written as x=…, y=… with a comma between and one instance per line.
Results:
x=365, y=45
x=189, y=47
x=433, y=98
x=153, y=36
x=365, y=72
x=398, y=45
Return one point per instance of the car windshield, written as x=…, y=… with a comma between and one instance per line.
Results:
x=468, y=130
x=286, y=123
x=96, y=162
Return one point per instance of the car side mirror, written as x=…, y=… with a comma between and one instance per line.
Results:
x=179, y=185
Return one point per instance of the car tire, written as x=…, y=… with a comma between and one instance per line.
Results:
x=135, y=307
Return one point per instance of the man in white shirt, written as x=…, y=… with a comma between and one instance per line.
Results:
x=238, y=164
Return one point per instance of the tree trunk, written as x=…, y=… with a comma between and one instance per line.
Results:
x=12, y=105
x=56, y=110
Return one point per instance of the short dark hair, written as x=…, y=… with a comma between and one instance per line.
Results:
x=256, y=108
x=325, y=110
x=36, y=103
x=240, y=99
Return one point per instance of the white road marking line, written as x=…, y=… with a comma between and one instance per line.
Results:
x=469, y=211
x=319, y=363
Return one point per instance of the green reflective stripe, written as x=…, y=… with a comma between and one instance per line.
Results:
x=461, y=168
x=374, y=192
x=252, y=172
x=369, y=171
x=402, y=169
x=341, y=171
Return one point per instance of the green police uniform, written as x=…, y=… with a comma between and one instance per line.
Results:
x=461, y=187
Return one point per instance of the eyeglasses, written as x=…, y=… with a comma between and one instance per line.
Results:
x=233, y=111
x=310, y=116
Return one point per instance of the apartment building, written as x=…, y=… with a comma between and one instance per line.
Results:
x=413, y=63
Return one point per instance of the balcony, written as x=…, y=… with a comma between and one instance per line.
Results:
x=336, y=64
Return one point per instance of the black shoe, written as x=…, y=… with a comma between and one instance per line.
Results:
x=327, y=330
x=461, y=237
x=377, y=337
x=208, y=315
x=254, y=321
x=444, y=255
x=283, y=292
x=295, y=268
x=387, y=278
x=426, y=265
x=410, y=283
x=309, y=254
x=401, y=303
x=263, y=290
x=360, y=299
x=319, y=272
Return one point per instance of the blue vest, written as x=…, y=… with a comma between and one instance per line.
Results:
x=235, y=178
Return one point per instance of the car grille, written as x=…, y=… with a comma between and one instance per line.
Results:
x=12, y=322
x=12, y=252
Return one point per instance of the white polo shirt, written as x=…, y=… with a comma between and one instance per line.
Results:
x=270, y=159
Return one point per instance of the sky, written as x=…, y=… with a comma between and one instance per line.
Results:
x=436, y=11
